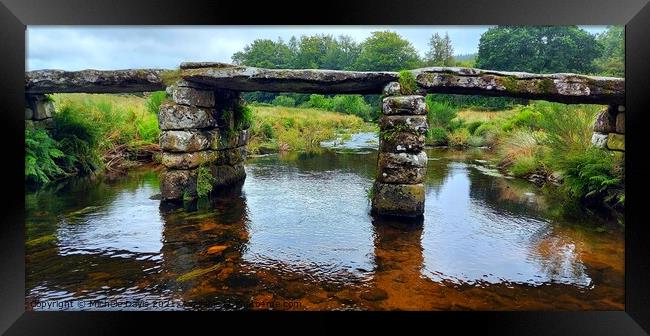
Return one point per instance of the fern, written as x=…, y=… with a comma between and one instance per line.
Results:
x=40, y=154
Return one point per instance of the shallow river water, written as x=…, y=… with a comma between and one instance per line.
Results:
x=297, y=235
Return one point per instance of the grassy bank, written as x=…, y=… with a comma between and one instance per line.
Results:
x=93, y=132
x=277, y=128
x=540, y=141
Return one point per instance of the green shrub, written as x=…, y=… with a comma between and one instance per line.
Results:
x=591, y=174
x=524, y=165
x=569, y=128
x=317, y=101
x=437, y=136
x=204, y=181
x=472, y=126
x=243, y=117
x=267, y=131
x=440, y=114
x=459, y=137
x=155, y=100
x=407, y=82
x=518, y=144
x=351, y=104
x=78, y=138
x=478, y=102
x=475, y=141
x=284, y=101
x=527, y=116
x=41, y=151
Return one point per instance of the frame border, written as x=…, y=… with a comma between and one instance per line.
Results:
x=15, y=15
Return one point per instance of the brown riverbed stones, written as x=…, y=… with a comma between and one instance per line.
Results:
x=401, y=162
x=198, y=130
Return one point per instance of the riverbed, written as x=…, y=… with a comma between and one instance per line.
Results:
x=297, y=234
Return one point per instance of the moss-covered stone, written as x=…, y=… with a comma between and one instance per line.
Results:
x=194, y=97
x=172, y=116
x=198, y=140
x=397, y=123
x=401, y=168
x=228, y=174
x=616, y=142
x=392, y=89
x=401, y=142
x=192, y=160
x=510, y=83
x=545, y=85
x=398, y=199
x=178, y=184
x=404, y=105
x=605, y=120
x=620, y=123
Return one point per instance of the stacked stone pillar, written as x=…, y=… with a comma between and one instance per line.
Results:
x=609, y=130
x=39, y=110
x=401, y=162
x=201, y=128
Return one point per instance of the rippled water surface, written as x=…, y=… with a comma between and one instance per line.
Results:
x=297, y=234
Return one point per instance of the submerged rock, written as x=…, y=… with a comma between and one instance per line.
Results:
x=374, y=294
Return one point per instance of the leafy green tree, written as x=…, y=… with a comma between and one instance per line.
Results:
x=265, y=54
x=539, y=49
x=612, y=61
x=312, y=51
x=344, y=54
x=387, y=51
x=441, y=52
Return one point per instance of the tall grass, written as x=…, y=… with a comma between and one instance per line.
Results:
x=546, y=138
x=101, y=130
x=286, y=128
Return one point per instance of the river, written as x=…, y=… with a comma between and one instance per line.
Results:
x=297, y=235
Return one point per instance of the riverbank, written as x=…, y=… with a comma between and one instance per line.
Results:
x=542, y=142
x=95, y=133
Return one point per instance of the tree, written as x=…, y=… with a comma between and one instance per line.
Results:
x=612, y=61
x=441, y=52
x=343, y=56
x=386, y=51
x=265, y=54
x=539, y=49
x=312, y=51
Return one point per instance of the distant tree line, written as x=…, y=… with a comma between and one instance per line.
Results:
x=538, y=49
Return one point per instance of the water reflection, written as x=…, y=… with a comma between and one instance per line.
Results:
x=297, y=234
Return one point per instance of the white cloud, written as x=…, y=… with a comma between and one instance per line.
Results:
x=122, y=47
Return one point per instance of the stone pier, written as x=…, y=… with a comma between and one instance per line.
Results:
x=201, y=128
x=39, y=110
x=401, y=161
x=609, y=130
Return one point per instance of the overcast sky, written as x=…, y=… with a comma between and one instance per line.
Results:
x=114, y=47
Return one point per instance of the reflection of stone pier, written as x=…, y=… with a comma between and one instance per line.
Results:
x=397, y=280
